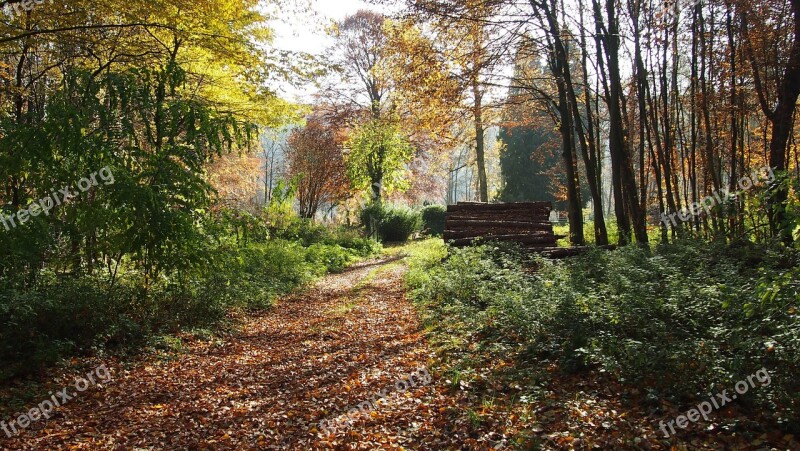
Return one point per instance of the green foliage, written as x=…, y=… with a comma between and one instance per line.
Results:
x=378, y=153
x=153, y=212
x=525, y=162
x=433, y=219
x=331, y=258
x=64, y=315
x=399, y=224
x=152, y=252
x=685, y=320
x=390, y=223
x=308, y=233
x=280, y=211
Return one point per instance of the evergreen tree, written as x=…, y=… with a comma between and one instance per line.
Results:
x=527, y=161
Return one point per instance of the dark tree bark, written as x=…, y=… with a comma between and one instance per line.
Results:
x=782, y=120
x=480, y=142
x=625, y=190
x=569, y=115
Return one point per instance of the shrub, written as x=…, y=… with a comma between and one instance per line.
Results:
x=67, y=315
x=686, y=319
x=433, y=220
x=308, y=234
x=399, y=224
x=329, y=258
x=391, y=224
x=353, y=240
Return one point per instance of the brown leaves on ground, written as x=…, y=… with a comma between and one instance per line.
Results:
x=312, y=358
x=319, y=354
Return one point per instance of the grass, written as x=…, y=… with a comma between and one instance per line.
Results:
x=654, y=233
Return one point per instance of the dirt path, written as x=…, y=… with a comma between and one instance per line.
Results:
x=313, y=358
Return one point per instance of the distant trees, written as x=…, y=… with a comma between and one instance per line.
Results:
x=395, y=99
x=531, y=167
x=361, y=48
x=678, y=101
x=472, y=48
x=376, y=148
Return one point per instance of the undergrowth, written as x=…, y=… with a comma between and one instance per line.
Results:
x=681, y=321
x=64, y=315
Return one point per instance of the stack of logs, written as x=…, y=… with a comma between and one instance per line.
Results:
x=525, y=223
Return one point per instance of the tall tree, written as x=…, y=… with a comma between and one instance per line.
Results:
x=316, y=164
x=377, y=150
x=469, y=38
x=786, y=86
x=361, y=47
x=626, y=202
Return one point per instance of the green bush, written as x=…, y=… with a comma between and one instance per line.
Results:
x=391, y=224
x=308, y=234
x=684, y=320
x=399, y=224
x=62, y=316
x=433, y=220
x=329, y=258
x=354, y=241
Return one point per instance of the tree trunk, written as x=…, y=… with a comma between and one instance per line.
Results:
x=625, y=190
x=588, y=149
x=480, y=142
x=569, y=114
x=782, y=120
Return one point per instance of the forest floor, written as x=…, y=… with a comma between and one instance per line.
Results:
x=268, y=385
x=350, y=339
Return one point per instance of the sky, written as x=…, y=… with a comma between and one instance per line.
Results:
x=306, y=33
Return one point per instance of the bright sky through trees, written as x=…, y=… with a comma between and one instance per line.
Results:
x=306, y=32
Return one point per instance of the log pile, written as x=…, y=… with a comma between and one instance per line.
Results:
x=526, y=223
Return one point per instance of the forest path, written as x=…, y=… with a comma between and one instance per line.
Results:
x=314, y=357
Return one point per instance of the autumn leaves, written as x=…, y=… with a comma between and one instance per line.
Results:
x=99, y=375
x=716, y=402
x=420, y=377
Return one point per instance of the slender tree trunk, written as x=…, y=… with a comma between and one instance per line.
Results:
x=570, y=118
x=641, y=82
x=574, y=203
x=590, y=156
x=480, y=142
x=625, y=181
x=733, y=223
